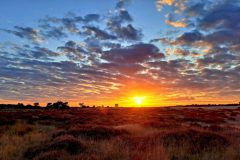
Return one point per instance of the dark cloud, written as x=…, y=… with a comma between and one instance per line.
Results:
x=120, y=25
x=35, y=76
x=189, y=37
x=223, y=15
x=219, y=60
x=111, y=45
x=125, y=16
x=71, y=22
x=223, y=37
x=196, y=9
x=93, y=45
x=184, y=52
x=137, y=53
x=128, y=32
x=98, y=33
x=55, y=32
x=26, y=32
x=122, y=4
x=218, y=21
x=40, y=52
x=91, y=17
x=72, y=50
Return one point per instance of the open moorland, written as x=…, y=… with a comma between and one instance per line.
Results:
x=120, y=134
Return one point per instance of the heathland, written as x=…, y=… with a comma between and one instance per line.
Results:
x=168, y=133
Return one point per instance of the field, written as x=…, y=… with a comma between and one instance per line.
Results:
x=120, y=134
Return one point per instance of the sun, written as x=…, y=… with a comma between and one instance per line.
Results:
x=138, y=100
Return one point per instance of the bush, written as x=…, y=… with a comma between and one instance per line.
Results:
x=53, y=155
x=96, y=132
x=68, y=143
x=195, y=141
x=6, y=121
x=65, y=142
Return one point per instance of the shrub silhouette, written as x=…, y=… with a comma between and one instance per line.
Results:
x=82, y=105
x=20, y=105
x=58, y=105
x=36, y=104
x=49, y=105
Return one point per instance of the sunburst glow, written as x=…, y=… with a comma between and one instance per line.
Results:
x=139, y=100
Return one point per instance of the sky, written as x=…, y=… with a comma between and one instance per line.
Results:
x=126, y=52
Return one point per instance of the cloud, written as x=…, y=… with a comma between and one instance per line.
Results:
x=26, y=32
x=71, y=22
x=184, y=52
x=125, y=16
x=122, y=68
x=98, y=33
x=128, y=32
x=33, y=76
x=161, y=3
x=178, y=5
x=177, y=24
x=97, y=54
x=181, y=98
x=91, y=18
x=137, y=53
x=188, y=38
x=40, y=52
x=54, y=32
x=122, y=4
x=72, y=51
x=212, y=29
x=224, y=61
x=218, y=16
x=118, y=26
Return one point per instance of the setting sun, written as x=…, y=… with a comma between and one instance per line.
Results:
x=139, y=100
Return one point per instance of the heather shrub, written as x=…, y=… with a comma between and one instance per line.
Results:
x=66, y=143
x=53, y=155
x=96, y=132
x=195, y=141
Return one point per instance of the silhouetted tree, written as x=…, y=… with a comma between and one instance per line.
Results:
x=82, y=105
x=20, y=105
x=36, y=104
x=29, y=106
x=49, y=105
x=60, y=105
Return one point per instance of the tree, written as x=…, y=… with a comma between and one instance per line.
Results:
x=49, y=105
x=20, y=105
x=36, y=104
x=60, y=105
x=82, y=105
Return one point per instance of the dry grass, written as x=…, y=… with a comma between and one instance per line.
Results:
x=19, y=137
x=120, y=134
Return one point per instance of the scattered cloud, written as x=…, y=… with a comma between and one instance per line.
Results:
x=26, y=32
x=98, y=33
x=161, y=3
x=96, y=54
x=177, y=24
